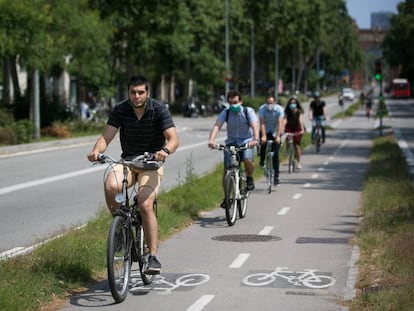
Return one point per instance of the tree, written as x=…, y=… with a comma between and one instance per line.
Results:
x=398, y=45
x=44, y=35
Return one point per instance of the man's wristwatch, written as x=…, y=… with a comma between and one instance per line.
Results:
x=166, y=150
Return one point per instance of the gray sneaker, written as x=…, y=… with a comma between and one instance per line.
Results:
x=153, y=267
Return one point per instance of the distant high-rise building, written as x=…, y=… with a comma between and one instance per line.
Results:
x=381, y=20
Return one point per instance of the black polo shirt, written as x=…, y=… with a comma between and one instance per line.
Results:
x=144, y=135
x=317, y=108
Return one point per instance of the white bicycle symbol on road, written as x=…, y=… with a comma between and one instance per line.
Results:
x=166, y=287
x=308, y=278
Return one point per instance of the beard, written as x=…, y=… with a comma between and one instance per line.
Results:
x=138, y=105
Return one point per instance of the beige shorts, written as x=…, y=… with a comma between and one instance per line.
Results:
x=150, y=178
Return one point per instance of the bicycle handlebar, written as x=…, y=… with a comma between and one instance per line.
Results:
x=292, y=134
x=231, y=147
x=145, y=161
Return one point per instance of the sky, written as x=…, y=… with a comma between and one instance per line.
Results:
x=361, y=10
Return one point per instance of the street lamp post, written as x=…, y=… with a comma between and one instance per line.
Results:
x=227, y=62
x=276, y=72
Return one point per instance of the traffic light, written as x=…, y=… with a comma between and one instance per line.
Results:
x=378, y=70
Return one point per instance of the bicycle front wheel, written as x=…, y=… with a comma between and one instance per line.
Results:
x=119, y=258
x=142, y=252
x=291, y=159
x=244, y=194
x=318, y=143
x=270, y=172
x=230, y=199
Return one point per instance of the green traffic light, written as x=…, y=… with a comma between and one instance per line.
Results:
x=378, y=77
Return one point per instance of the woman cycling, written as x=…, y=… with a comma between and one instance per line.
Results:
x=294, y=125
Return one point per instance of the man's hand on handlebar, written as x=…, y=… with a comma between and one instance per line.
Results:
x=253, y=143
x=93, y=156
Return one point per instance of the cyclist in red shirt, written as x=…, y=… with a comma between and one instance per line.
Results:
x=294, y=124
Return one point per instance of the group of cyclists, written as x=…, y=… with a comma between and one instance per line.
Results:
x=270, y=123
x=146, y=126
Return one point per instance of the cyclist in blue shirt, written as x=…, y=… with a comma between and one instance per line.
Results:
x=242, y=128
x=271, y=127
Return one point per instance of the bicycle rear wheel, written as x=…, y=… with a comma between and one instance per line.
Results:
x=119, y=258
x=230, y=199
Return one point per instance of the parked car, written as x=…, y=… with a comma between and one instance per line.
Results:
x=348, y=94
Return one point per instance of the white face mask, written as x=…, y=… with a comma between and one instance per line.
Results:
x=270, y=107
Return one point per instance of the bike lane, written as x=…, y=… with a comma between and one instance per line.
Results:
x=300, y=231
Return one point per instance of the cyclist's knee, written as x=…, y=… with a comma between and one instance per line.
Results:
x=112, y=186
x=146, y=207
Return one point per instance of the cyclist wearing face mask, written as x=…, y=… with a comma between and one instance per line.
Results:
x=242, y=128
x=294, y=125
x=271, y=128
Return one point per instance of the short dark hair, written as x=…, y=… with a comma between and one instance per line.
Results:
x=138, y=80
x=232, y=94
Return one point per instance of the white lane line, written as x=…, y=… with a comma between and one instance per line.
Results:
x=95, y=168
x=201, y=303
x=307, y=185
x=315, y=176
x=17, y=251
x=325, y=163
x=283, y=211
x=239, y=261
x=50, y=179
x=266, y=230
x=321, y=169
x=297, y=196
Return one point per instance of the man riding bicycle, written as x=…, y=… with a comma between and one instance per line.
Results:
x=317, y=114
x=145, y=125
x=271, y=128
x=242, y=128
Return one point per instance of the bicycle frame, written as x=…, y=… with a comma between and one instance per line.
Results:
x=235, y=184
x=291, y=152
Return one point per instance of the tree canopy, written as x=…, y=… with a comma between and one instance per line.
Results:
x=398, y=46
x=102, y=42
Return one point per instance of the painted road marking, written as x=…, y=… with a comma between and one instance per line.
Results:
x=307, y=185
x=239, y=261
x=266, y=230
x=315, y=176
x=283, y=211
x=297, y=196
x=201, y=303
